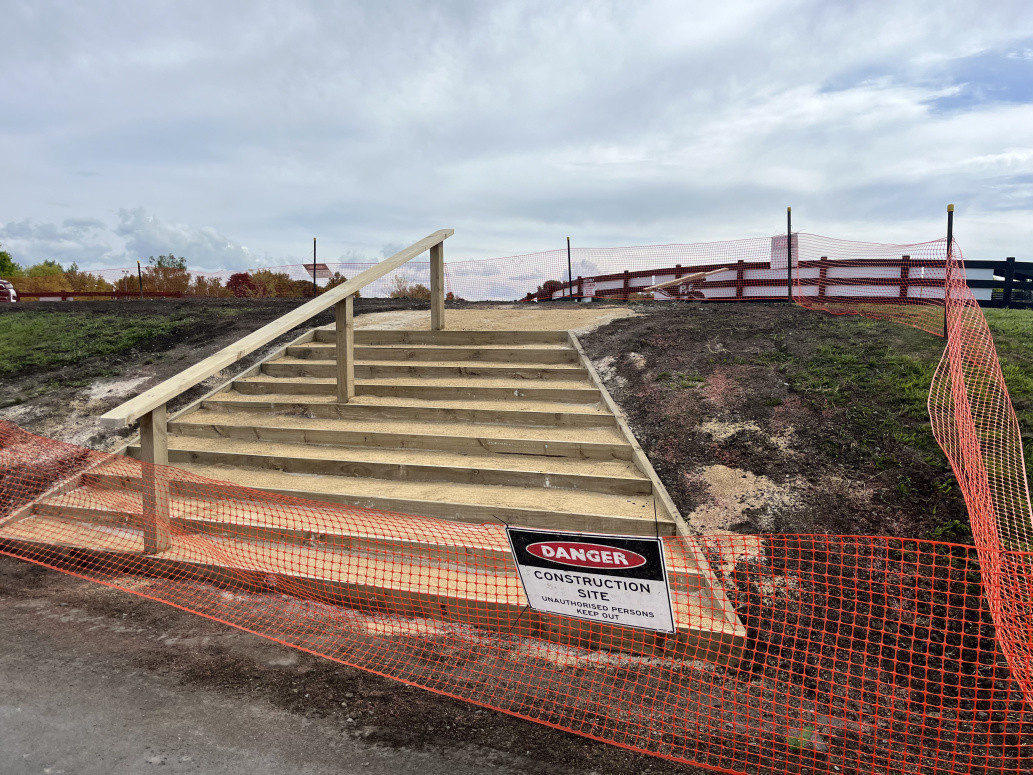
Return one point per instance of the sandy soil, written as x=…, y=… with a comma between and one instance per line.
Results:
x=503, y=317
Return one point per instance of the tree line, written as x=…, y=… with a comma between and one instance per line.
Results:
x=169, y=274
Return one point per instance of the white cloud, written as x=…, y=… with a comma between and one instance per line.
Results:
x=518, y=123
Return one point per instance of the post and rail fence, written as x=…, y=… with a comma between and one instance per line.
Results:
x=150, y=406
x=757, y=281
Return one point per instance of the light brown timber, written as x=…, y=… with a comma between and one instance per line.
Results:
x=345, y=365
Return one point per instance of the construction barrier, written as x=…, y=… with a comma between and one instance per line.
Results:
x=861, y=655
x=739, y=270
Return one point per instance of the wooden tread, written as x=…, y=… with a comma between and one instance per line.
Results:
x=586, y=443
x=456, y=592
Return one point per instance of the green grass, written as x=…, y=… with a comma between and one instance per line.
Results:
x=880, y=373
x=31, y=341
x=1012, y=330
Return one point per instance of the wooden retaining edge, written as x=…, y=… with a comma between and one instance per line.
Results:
x=509, y=616
x=415, y=472
x=471, y=513
x=659, y=491
x=483, y=445
x=442, y=414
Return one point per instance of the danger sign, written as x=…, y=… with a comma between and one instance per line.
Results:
x=608, y=579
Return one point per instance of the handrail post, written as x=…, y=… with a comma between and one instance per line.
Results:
x=154, y=454
x=437, y=287
x=345, y=311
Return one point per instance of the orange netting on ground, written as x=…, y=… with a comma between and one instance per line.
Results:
x=854, y=654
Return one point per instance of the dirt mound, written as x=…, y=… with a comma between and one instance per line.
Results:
x=766, y=418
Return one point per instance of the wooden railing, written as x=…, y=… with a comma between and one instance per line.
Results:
x=149, y=406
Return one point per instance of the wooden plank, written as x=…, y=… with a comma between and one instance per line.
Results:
x=369, y=336
x=470, y=512
x=345, y=350
x=437, y=287
x=154, y=452
x=430, y=413
x=308, y=367
x=488, y=599
x=161, y=394
x=666, y=504
x=451, y=392
x=390, y=470
x=285, y=432
x=686, y=279
x=423, y=391
x=425, y=353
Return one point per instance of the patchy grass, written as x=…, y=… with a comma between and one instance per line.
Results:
x=31, y=342
x=831, y=409
x=1012, y=330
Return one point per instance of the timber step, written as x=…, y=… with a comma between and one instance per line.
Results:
x=543, y=354
x=588, y=443
x=473, y=389
x=612, y=476
x=521, y=413
x=375, y=370
x=584, y=511
x=479, y=592
x=365, y=336
x=115, y=500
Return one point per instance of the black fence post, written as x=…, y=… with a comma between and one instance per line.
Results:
x=789, y=254
x=570, y=272
x=1009, y=280
x=315, y=290
x=946, y=265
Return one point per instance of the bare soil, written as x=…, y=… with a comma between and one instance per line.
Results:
x=728, y=403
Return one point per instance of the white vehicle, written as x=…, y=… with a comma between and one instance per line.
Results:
x=7, y=292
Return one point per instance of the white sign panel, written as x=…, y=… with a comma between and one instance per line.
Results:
x=618, y=580
x=588, y=286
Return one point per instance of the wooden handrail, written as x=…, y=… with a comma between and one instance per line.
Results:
x=159, y=395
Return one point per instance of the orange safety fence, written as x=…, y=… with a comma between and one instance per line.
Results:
x=861, y=654
x=737, y=270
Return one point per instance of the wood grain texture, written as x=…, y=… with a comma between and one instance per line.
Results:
x=345, y=349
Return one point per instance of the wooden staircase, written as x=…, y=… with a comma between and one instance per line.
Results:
x=466, y=425
x=477, y=427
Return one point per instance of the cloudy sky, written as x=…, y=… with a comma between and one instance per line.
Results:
x=233, y=132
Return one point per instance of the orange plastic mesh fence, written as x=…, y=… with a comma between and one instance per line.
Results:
x=858, y=654
x=833, y=272
x=973, y=421
x=862, y=654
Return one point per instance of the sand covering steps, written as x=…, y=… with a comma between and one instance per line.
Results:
x=470, y=426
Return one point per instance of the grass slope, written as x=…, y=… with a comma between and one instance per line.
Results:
x=830, y=410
